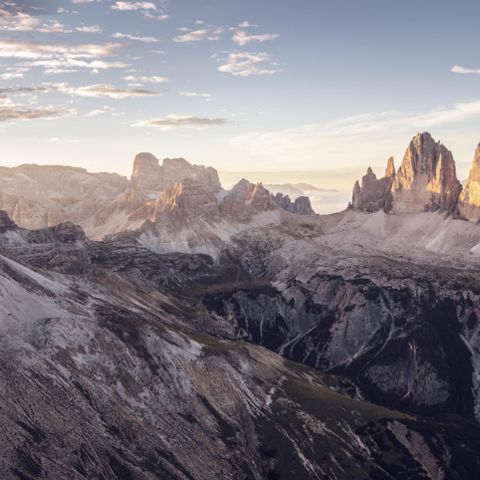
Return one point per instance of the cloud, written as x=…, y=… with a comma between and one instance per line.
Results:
x=211, y=34
x=207, y=96
x=242, y=38
x=136, y=38
x=147, y=9
x=146, y=79
x=106, y=90
x=175, y=121
x=12, y=73
x=464, y=70
x=53, y=27
x=37, y=50
x=133, y=6
x=101, y=90
x=11, y=113
x=371, y=136
x=20, y=22
x=245, y=64
x=99, y=111
x=55, y=57
x=89, y=29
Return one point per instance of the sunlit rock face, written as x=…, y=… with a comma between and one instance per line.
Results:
x=246, y=199
x=374, y=194
x=469, y=201
x=426, y=180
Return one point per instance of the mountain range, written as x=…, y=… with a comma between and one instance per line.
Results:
x=163, y=327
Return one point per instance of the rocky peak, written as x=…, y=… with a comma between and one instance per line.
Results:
x=469, y=201
x=246, y=199
x=149, y=178
x=427, y=179
x=390, y=170
x=260, y=198
x=300, y=206
x=374, y=194
x=147, y=175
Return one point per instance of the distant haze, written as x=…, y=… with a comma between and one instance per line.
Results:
x=337, y=184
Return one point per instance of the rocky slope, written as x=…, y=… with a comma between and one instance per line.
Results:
x=215, y=334
x=107, y=375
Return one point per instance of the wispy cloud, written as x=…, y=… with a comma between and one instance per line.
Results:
x=133, y=6
x=245, y=64
x=135, y=37
x=314, y=143
x=11, y=112
x=242, y=38
x=146, y=79
x=148, y=9
x=97, y=91
x=175, y=121
x=56, y=57
x=89, y=29
x=211, y=34
x=464, y=70
x=206, y=96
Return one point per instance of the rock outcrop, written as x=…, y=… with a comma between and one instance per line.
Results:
x=426, y=180
x=245, y=199
x=300, y=206
x=188, y=198
x=374, y=194
x=149, y=178
x=469, y=201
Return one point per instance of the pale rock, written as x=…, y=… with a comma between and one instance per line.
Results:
x=374, y=194
x=426, y=180
x=469, y=201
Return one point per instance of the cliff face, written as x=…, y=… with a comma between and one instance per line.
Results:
x=426, y=180
x=149, y=178
x=469, y=201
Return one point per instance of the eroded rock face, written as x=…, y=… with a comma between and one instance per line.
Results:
x=149, y=178
x=426, y=180
x=189, y=198
x=300, y=206
x=374, y=194
x=246, y=199
x=469, y=201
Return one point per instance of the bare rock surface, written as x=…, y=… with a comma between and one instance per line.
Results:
x=469, y=201
x=426, y=179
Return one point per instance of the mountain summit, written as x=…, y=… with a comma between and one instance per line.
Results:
x=425, y=181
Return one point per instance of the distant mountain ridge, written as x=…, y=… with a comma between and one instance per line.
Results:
x=106, y=203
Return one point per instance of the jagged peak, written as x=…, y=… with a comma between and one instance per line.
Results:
x=390, y=170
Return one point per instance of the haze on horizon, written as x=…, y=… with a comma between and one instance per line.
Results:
x=310, y=86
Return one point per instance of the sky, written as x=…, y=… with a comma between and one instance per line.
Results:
x=242, y=85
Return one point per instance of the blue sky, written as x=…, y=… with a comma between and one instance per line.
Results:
x=241, y=85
